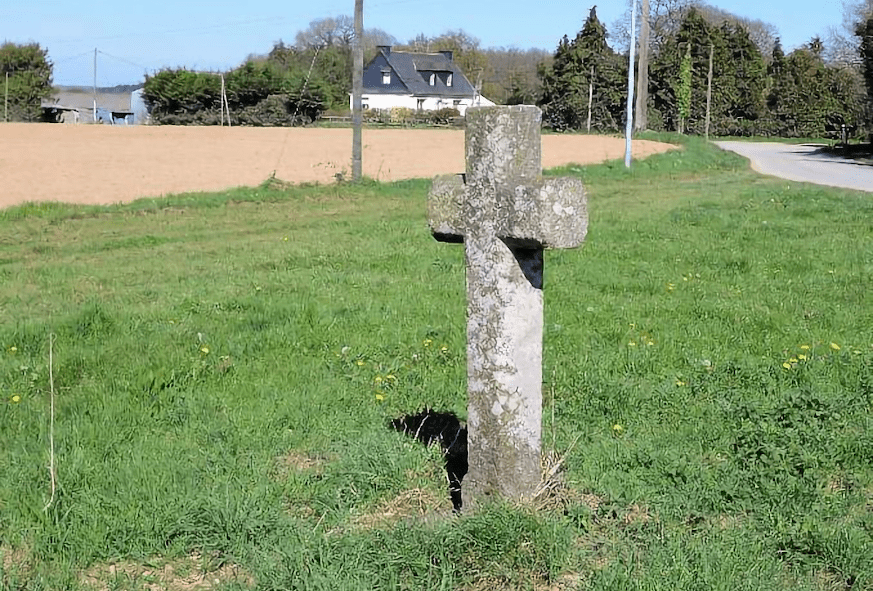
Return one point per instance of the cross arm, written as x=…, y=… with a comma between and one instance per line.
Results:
x=547, y=213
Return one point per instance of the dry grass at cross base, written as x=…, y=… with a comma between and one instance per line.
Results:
x=103, y=164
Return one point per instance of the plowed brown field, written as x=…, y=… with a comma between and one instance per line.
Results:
x=99, y=164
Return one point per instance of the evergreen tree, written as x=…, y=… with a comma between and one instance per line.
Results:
x=808, y=98
x=566, y=82
x=739, y=81
x=691, y=41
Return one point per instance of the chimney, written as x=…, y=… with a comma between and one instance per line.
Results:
x=385, y=49
x=448, y=54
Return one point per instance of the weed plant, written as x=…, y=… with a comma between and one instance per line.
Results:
x=225, y=367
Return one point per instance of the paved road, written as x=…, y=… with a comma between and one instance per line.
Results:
x=803, y=163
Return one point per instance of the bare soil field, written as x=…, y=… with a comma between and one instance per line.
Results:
x=101, y=164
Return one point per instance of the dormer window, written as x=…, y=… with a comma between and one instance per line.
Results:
x=432, y=79
x=449, y=79
x=386, y=76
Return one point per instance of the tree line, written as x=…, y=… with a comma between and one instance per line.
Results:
x=704, y=73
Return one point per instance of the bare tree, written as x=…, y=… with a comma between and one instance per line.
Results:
x=327, y=32
x=339, y=31
x=843, y=44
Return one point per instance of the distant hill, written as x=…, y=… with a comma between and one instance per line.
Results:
x=119, y=89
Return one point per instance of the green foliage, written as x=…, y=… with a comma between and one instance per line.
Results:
x=443, y=116
x=809, y=98
x=739, y=77
x=27, y=77
x=683, y=89
x=565, y=85
x=268, y=92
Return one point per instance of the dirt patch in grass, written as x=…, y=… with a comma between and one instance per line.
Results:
x=415, y=503
x=103, y=164
x=15, y=561
x=192, y=573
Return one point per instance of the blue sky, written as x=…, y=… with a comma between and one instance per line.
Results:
x=136, y=36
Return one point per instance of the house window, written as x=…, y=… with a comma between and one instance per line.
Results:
x=456, y=103
x=432, y=79
x=420, y=105
x=449, y=79
x=386, y=76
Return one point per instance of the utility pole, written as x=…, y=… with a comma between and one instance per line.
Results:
x=6, y=101
x=630, y=86
x=95, y=85
x=709, y=89
x=221, y=110
x=642, y=115
x=357, y=90
x=590, y=96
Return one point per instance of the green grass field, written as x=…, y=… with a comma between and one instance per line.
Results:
x=224, y=367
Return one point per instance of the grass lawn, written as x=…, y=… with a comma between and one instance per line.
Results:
x=224, y=367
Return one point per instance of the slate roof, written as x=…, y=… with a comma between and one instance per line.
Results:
x=413, y=71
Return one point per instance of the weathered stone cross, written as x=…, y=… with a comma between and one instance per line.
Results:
x=505, y=213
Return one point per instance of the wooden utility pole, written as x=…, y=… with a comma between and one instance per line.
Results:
x=641, y=122
x=708, y=90
x=6, y=101
x=357, y=91
x=95, y=85
x=630, y=86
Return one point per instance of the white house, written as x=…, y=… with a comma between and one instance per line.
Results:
x=419, y=81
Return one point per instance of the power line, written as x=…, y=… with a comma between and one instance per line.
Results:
x=72, y=57
x=121, y=59
x=207, y=28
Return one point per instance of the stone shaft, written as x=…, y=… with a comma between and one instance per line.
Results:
x=505, y=310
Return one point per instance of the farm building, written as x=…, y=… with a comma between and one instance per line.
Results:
x=76, y=105
x=419, y=81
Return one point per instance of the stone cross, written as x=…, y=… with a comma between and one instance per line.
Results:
x=505, y=213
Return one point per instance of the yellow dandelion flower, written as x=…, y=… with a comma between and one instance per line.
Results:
x=649, y=343
x=204, y=349
x=391, y=377
x=13, y=349
x=804, y=347
x=786, y=365
x=380, y=397
x=632, y=344
x=427, y=342
x=617, y=429
x=792, y=360
x=802, y=357
x=444, y=349
x=360, y=362
x=670, y=287
x=378, y=379
x=680, y=383
x=16, y=399
x=835, y=347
